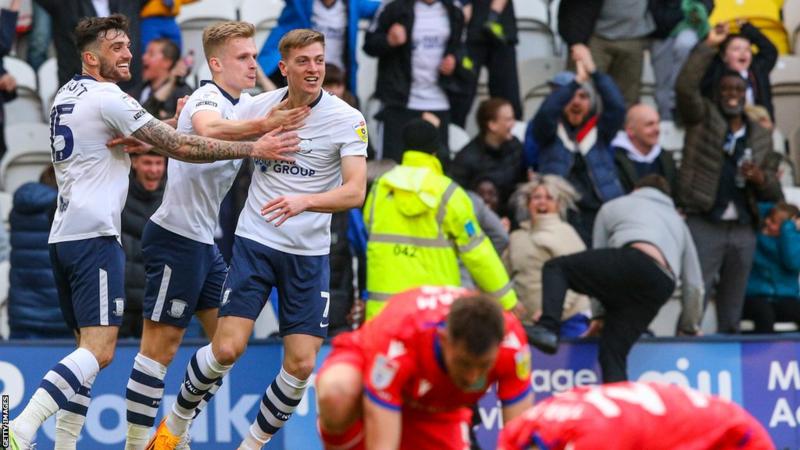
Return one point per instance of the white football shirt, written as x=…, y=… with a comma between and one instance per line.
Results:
x=194, y=192
x=429, y=37
x=332, y=131
x=92, y=179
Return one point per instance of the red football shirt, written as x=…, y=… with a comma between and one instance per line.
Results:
x=403, y=367
x=632, y=416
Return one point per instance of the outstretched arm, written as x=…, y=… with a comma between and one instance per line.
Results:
x=212, y=124
x=189, y=148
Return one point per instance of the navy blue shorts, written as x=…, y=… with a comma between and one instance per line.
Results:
x=90, y=278
x=182, y=276
x=302, y=283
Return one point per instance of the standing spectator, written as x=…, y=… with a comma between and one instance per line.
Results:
x=736, y=54
x=33, y=307
x=575, y=142
x=636, y=149
x=491, y=42
x=680, y=24
x=65, y=16
x=724, y=171
x=336, y=83
x=545, y=236
x=577, y=19
x=8, y=85
x=773, y=294
x=336, y=19
x=486, y=190
x=420, y=223
x=158, y=21
x=417, y=43
x=642, y=248
x=146, y=188
x=619, y=42
x=348, y=243
x=495, y=153
x=39, y=37
x=163, y=75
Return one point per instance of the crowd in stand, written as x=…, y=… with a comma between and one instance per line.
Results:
x=590, y=142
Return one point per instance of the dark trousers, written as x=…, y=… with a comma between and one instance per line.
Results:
x=395, y=119
x=501, y=62
x=764, y=312
x=631, y=286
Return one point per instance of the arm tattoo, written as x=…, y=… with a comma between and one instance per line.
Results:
x=187, y=147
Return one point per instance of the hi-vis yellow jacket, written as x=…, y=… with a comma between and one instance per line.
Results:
x=420, y=223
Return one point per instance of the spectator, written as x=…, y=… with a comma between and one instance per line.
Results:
x=158, y=21
x=736, y=54
x=163, y=75
x=619, y=41
x=772, y=289
x=348, y=242
x=530, y=148
x=336, y=19
x=417, y=43
x=577, y=19
x=575, y=142
x=39, y=37
x=336, y=84
x=491, y=42
x=65, y=16
x=543, y=237
x=420, y=224
x=724, y=171
x=636, y=149
x=34, y=310
x=8, y=85
x=145, y=191
x=486, y=189
x=495, y=153
x=680, y=24
x=643, y=248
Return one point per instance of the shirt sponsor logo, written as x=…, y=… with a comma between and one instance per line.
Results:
x=361, y=130
x=207, y=103
x=383, y=372
x=139, y=114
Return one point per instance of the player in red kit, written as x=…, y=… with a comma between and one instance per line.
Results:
x=634, y=416
x=406, y=379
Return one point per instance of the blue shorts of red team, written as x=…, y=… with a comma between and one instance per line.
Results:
x=90, y=278
x=182, y=276
x=302, y=282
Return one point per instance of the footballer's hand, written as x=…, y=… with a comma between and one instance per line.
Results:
x=179, y=106
x=282, y=208
x=289, y=119
x=276, y=145
x=520, y=311
x=130, y=145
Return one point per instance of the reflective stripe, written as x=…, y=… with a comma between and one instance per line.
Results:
x=410, y=240
x=443, y=203
x=473, y=243
x=378, y=296
x=502, y=291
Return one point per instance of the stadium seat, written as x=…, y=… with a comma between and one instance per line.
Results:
x=457, y=139
x=27, y=107
x=48, y=84
x=794, y=153
x=532, y=11
x=648, y=79
x=263, y=14
x=367, y=66
x=536, y=41
x=791, y=22
x=519, y=130
x=535, y=73
x=194, y=17
x=5, y=266
x=671, y=137
x=27, y=155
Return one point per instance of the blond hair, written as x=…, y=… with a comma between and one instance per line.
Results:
x=299, y=38
x=215, y=36
x=561, y=190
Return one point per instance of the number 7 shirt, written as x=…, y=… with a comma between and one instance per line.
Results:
x=92, y=179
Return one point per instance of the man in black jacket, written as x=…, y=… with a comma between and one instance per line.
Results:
x=418, y=44
x=65, y=15
x=144, y=196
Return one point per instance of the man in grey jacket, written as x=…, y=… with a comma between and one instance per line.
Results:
x=641, y=246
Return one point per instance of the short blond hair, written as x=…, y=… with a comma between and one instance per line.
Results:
x=299, y=38
x=215, y=36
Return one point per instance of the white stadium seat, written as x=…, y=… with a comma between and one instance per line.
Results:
x=519, y=130
x=194, y=17
x=48, y=84
x=531, y=11
x=27, y=156
x=671, y=137
x=27, y=107
x=457, y=138
x=791, y=21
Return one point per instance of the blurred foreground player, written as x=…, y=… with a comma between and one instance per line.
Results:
x=407, y=378
x=634, y=416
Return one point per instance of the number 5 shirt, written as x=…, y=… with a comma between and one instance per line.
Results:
x=92, y=179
